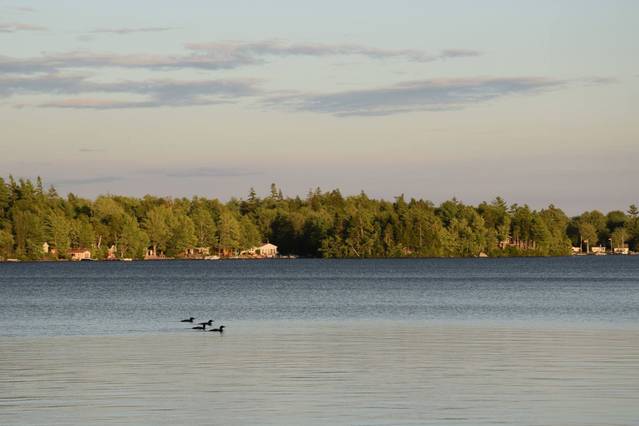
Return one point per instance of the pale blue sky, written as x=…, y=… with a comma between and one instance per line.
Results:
x=534, y=101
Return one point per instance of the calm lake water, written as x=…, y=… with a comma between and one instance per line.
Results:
x=371, y=342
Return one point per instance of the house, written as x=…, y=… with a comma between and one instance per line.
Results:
x=196, y=252
x=599, y=250
x=112, y=253
x=79, y=254
x=153, y=255
x=622, y=250
x=265, y=250
x=576, y=250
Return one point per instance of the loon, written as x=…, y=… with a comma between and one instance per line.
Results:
x=200, y=327
x=188, y=320
x=209, y=322
x=219, y=330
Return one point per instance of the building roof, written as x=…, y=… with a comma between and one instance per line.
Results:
x=78, y=250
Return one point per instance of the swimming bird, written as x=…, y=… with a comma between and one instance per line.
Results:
x=200, y=327
x=188, y=320
x=219, y=330
x=209, y=322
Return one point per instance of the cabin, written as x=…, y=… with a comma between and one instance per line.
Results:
x=265, y=250
x=112, y=253
x=79, y=254
x=196, y=252
x=153, y=255
x=622, y=250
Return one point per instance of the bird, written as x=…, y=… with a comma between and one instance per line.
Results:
x=188, y=320
x=219, y=330
x=200, y=327
x=209, y=322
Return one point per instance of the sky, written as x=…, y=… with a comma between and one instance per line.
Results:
x=536, y=102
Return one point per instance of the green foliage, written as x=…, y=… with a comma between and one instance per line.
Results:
x=324, y=224
x=204, y=227
x=619, y=237
x=182, y=234
x=157, y=226
x=59, y=229
x=249, y=234
x=133, y=241
x=6, y=244
x=229, y=233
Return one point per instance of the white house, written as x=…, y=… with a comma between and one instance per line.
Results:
x=265, y=250
x=79, y=254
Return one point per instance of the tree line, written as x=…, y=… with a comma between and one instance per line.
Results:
x=322, y=224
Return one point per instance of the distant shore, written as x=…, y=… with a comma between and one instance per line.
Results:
x=226, y=259
x=37, y=223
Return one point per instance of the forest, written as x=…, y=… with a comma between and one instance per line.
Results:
x=322, y=224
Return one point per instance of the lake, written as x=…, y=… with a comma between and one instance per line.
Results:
x=526, y=341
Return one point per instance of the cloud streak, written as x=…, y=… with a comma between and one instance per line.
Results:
x=201, y=172
x=214, y=56
x=131, y=30
x=156, y=93
x=279, y=48
x=25, y=9
x=423, y=95
x=403, y=97
x=87, y=181
x=14, y=27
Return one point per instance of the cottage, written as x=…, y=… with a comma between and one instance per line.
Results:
x=112, y=253
x=622, y=250
x=197, y=252
x=154, y=255
x=79, y=254
x=266, y=250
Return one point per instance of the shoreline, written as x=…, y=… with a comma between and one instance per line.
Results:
x=305, y=258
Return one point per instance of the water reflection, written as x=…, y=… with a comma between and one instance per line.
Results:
x=309, y=372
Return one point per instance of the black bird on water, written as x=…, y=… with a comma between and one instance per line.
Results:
x=200, y=327
x=188, y=320
x=219, y=330
x=209, y=322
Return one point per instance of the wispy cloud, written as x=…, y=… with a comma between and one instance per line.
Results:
x=203, y=172
x=131, y=30
x=50, y=63
x=87, y=181
x=214, y=56
x=423, y=95
x=156, y=93
x=14, y=27
x=595, y=81
x=281, y=48
x=25, y=9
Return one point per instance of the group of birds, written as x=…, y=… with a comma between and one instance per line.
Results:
x=202, y=325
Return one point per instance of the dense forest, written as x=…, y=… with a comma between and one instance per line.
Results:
x=323, y=224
